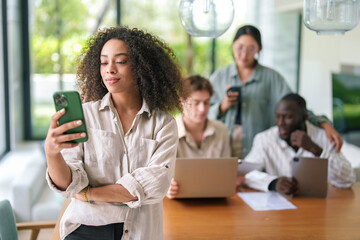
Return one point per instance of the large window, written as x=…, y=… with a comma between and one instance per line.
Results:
x=58, y=30
x=4, y=135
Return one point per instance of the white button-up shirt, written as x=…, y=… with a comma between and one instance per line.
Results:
x=276, y=156
x=142, y=160
x=215, y=141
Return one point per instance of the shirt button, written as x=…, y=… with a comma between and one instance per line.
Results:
x=126, y=231
x=244, y=104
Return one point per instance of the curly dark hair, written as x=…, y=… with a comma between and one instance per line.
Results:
x=153, y=62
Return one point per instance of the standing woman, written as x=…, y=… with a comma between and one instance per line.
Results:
x=260, y=90
x=129, y=82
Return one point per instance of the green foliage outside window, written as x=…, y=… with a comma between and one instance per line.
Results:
x=61, y=28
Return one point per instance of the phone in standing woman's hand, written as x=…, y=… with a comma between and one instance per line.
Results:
x=236, y=89
x=70, y=100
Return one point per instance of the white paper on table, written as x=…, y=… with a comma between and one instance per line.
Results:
x=264, y=201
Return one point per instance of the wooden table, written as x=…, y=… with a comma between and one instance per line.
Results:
x=335, y=217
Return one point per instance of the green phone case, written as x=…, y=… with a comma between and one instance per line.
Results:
x=70, y=100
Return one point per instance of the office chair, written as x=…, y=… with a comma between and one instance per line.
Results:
x=9, y=227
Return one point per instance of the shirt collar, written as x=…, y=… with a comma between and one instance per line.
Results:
x=210, y=128
x=281, y=142
x=181, y=127
x=106, y=102
x=255, y=75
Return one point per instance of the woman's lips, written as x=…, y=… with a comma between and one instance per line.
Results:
x=112, y=80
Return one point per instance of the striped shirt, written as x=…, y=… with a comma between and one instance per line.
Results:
x=276, y=157
x=142, y=160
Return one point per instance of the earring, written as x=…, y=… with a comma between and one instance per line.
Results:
x=102, y=83
x=256, y=56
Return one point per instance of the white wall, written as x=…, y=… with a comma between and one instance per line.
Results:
x=321, y=56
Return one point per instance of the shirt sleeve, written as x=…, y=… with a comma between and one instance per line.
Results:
x=150, y=183
x=317, y=119
x=340, y=172
x=258, y=154
x=79, y=178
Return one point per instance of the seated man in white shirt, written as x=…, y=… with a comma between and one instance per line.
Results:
x=198, y=135
x=293, y=136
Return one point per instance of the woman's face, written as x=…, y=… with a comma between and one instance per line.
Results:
x=115, y=67
x=244, y=50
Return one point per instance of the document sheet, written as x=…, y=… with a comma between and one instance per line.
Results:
x=265, y=201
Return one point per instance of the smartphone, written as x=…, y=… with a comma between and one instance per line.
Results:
x=70, y=100
x=236, y=89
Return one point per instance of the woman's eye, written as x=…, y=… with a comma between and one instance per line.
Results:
x=103, y=63
x=121, y=62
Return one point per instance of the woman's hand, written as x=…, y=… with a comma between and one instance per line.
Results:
x=229, y=100
x=173, y=190
x=56, y=140
x=80, y=196
x=332, y=135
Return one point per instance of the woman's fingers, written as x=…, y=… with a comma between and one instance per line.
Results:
x=55, y=118
x=67, y=126
x=70, y=137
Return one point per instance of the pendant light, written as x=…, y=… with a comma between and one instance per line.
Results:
x=331, y=16
x=206, y=18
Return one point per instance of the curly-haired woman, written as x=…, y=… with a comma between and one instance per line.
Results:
x=130, y=83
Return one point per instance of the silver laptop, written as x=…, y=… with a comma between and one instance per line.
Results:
x=312, y=176
x=206, y=177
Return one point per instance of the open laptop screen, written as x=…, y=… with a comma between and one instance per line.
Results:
x=206, y=177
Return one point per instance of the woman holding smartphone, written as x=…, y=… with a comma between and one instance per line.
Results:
x=129, y=82
x=246, y=94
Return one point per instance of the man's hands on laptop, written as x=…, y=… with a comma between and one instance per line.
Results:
x=286, y=185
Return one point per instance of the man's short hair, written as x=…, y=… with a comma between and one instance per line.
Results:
x=198, y=83
x=295, y=98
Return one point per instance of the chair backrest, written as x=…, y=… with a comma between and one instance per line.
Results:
x=56, y=233
x=8, y=228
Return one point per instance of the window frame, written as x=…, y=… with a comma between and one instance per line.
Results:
x=5, y=77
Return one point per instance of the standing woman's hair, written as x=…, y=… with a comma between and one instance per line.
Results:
x=249, y=30
x=156, y=72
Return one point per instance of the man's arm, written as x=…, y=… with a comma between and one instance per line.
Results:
x=323, y=122
x=256, y=179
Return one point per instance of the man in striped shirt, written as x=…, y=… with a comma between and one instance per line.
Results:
x=293, y=136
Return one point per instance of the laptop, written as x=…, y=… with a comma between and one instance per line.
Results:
x=206, y=177
x=312, y=176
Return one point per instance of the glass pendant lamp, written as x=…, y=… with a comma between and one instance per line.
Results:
x=331, y=16
x=206, y=18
